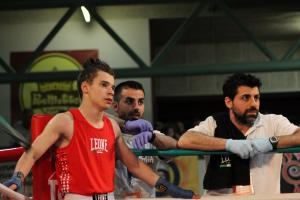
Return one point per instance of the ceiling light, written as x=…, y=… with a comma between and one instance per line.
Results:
x=86, y=14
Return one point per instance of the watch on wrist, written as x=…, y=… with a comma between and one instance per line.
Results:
x=274, y=141
x=152, y=138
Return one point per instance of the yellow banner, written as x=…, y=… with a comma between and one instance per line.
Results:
x=189, y=172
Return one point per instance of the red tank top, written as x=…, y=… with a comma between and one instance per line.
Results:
x=87, y=164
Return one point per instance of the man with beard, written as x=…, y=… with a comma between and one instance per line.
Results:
x=129, y=105
x=248, y=135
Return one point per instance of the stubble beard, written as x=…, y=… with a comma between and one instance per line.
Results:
x=128, y=116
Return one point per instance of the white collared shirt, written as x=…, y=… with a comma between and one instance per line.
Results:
x=264, y=168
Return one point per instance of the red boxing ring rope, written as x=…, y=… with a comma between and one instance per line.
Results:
x=12, y=154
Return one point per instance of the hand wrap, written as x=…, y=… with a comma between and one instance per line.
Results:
x=162, y=185
x=15, y=179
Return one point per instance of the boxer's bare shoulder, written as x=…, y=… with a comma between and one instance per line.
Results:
x=62, y=124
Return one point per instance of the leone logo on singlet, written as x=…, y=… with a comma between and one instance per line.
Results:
x=98, y=145
x=51, y=97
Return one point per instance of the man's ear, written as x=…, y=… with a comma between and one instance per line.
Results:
x=228, y=102
x=84, y=87
x=115, y=106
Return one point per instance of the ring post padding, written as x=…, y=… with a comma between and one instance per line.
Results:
x=43, y=168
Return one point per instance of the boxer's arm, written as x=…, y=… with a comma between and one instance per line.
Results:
x=145, y=173
x=42, y=143
x=134, y=165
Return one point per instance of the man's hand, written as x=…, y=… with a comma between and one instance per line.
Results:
x=242, y=148
x=162, y=185
x=15, y=182
x=138, y=126
x=261, y=145
x=142, y=138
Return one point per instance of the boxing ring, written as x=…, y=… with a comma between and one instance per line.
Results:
x=44, y=185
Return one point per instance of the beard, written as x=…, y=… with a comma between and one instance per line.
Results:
x=245, y=118
x=133, y=115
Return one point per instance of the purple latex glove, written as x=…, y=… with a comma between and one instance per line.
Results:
x=141, y=139
x=138, y=126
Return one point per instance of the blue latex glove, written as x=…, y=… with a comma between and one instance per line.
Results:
x=162, y=185
x=141, y=139
x=14, y=180
x=261, y=145
x=138, y=126
x=242, y=148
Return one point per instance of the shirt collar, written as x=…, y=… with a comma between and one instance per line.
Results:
x=257, y=123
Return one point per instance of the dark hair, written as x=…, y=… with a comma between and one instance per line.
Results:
x=127, y=84
x=89, y=72
x=233, y=82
